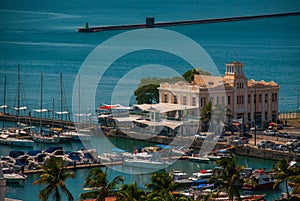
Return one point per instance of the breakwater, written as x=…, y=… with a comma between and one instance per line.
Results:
x=269, y=154
x=150, y=23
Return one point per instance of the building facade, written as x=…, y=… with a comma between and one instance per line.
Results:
x=252, y=101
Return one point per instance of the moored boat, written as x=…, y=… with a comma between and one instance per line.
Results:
x=14, y=141
x=264, y=181
x=199, y=159
x=46, y=138
x=144, y=160
x=13, y=177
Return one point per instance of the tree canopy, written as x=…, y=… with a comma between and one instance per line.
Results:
x=54, y=176
x=189, y=75
x=147, y=94
x=147, y=91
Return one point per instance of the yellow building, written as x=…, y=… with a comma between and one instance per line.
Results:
x=233, y=90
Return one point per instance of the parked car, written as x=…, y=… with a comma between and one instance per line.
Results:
x=286, y=135
x=247, y=135
x=201, y=136
x=244, y=140
x=265, y=144
x=221, y=139
x=269, y=133
x=275, y=146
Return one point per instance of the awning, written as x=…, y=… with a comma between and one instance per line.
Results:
x=164, y=107
x=169, y=124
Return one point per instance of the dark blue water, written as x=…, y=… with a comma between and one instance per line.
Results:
x=42, y=37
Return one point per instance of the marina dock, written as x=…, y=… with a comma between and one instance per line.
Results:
x=150, y=22
x=28, y=120
x=77, y=166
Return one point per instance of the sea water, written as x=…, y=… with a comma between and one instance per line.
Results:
x=42, y=38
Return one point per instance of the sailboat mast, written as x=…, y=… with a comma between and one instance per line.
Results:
x=41, y=103
x=4, y=99
x=52, y=111
x=61, y=100
x=78, y=98
x=18, y=99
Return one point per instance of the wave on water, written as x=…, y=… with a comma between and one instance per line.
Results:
x=57, y=15
x=48, y=44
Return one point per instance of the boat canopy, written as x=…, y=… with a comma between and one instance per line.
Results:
x=41, y=110
x=83, y=115
x=3, y=106
x=20, y=108
x=63, y=112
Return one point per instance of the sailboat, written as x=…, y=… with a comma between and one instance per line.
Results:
x=44, y=136
x=79, y=134
x=15, y=137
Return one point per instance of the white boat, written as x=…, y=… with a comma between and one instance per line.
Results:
x=199, y=159
x=202, y=176
x=110, y=157
x=181, y=177
x=212, y=157
x=181, y=150
x=144, y=160
x=80, y=135
x=48, y=139
x=13, y=177
x=13, y=141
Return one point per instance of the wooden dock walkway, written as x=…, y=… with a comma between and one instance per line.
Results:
x=34, y=120
x=77, y=166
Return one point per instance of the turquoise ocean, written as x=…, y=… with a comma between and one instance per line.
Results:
x=42, y=38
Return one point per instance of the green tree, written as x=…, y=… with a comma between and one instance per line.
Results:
x=205, y=115
x=228, y=176
x=284, y=171
x=147, y=94
x=162, y=185
x=190, y=74
x=295, y=181
x=130, y=192
x=54, y=176
x=100, y=186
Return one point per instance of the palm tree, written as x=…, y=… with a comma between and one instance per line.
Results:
x=228, y=176
x=295, y=181
x=162, y=185
x=54, y=176
x=98, y=183
x=130, y=192
x=285, y=171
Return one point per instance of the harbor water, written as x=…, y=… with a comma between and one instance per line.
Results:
x=42, y=38
x=26, y=191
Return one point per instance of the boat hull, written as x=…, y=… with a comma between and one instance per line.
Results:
x=266, y=186
x=16, y=142
x=146, y=165
x=46, y=140
x=199, y=159
x=14, y=178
